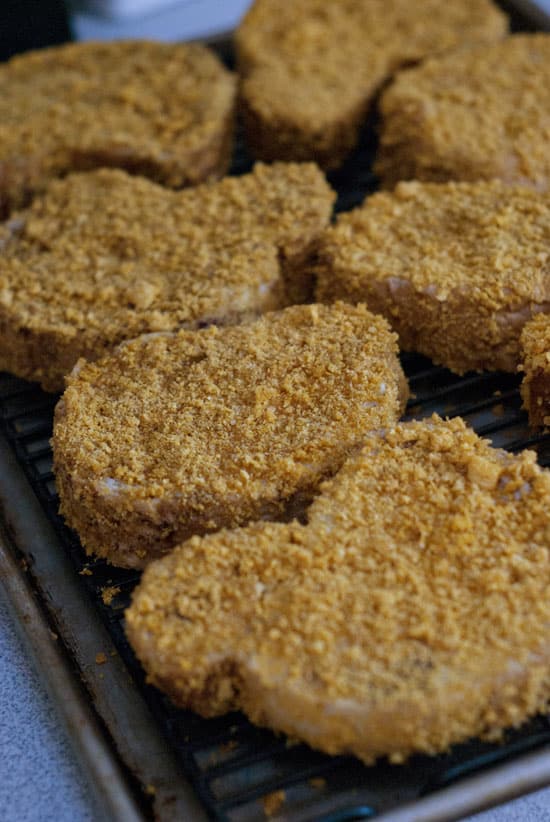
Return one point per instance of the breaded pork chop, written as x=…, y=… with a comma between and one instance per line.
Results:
x=477, y=114
x=535, y=388
x=164, y=111
x=457, y=268
x=184, y=433
x=104, y=256
x=311, y=69
x=410, y=613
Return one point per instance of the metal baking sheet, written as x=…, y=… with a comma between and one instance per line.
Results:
x=148, y=760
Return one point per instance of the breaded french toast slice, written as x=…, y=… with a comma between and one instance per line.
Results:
x=535, y=363
x=457, y=268
x=411, y=612
x=104, y=256
x=163, y=111
x=184, y=433
x=310, y=70
x=476, y=114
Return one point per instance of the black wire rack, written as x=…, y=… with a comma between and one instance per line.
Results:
x=241, y=772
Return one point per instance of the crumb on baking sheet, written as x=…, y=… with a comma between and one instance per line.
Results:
x=272, y=802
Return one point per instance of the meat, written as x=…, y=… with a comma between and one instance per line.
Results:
x=183, y=433
x=409, y=613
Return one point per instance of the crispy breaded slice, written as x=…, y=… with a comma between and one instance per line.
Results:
x=477, y=114
x=104, y=256
x=535, y=388
x=457, y=268
x=181, y=434
x=310, y=70
x=164, y=111
x=410, y=613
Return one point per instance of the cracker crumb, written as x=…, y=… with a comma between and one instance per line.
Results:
x=272, y=802
x=311, y=69
x=150, y=260
x=109, y=593
x=457, y=268
x=535, y=388
x=161, y=110
x=477, y=113
x=414, y=601
x=227, y=747
x=171, y=435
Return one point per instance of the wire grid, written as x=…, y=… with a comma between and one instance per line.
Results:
x=240, y=772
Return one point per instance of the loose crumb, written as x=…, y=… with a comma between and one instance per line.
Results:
x=272, y=802
x=109, y=593
x=227, y=747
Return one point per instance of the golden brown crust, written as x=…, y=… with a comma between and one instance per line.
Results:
x=179, y=434
x=103, y=256
x=310, y=70
x=163, y=111
x=478, y=114
x=535, y=388
x=457, y=268
x=410, y=613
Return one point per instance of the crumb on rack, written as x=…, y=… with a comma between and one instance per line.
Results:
x=109, y=593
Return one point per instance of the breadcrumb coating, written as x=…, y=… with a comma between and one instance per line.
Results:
x=103, y=256
x=535, y=388
x=478, y=114
x=184, y=433
x=164, y=111
x=457, y=268
x=310, y=70
x=410, y=613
